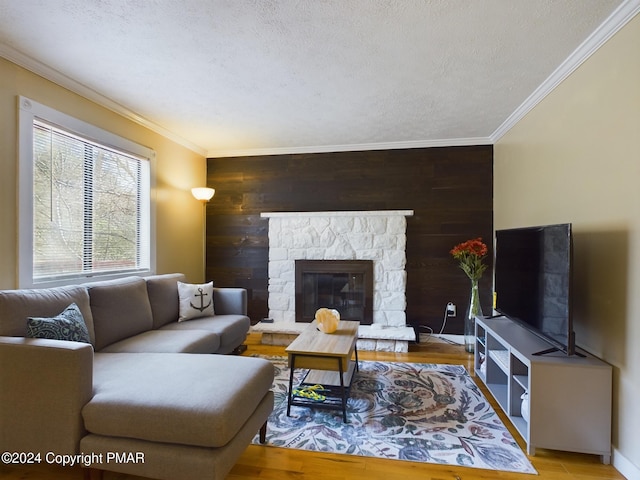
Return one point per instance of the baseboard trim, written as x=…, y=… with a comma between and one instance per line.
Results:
x=445, y=337
x=623, y=465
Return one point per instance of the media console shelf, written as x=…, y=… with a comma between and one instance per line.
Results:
x=569, y=397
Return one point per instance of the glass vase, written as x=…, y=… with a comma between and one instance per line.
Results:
x=474, y=310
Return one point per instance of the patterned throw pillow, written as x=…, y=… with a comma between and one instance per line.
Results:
x=68, y=325
x=196, y=300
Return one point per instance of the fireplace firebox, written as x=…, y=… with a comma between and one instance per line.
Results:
x=344, y=285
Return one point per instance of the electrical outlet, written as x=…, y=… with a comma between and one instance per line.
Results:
x=451, y=309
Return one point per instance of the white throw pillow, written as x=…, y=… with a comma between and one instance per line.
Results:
x=195, y=300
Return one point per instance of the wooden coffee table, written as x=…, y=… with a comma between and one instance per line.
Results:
x=328, y=357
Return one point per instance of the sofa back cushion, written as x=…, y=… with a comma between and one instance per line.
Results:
x=163, y=295
x=120, y=309
x=18, y=305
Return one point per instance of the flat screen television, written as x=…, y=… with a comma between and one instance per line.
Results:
x=533, y=281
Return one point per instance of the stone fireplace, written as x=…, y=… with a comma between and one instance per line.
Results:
x=377, y=236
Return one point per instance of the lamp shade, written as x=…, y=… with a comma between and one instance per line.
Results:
x=203, y=193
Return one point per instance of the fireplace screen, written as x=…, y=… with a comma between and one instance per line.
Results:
x=345, y=285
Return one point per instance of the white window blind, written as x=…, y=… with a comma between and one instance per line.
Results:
x=90, y=207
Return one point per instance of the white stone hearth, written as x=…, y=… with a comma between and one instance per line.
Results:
x=370, y=337
x=379, y=236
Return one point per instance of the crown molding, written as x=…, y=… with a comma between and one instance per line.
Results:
x=618, y=19
x=357, y=147
x=62, y=80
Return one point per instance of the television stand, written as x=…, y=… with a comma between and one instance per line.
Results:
x=569, y=397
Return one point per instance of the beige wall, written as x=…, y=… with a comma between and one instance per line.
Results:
x=179, y=229
x=576, y=158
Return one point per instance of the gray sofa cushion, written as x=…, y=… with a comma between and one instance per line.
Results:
x=201, y=400
x=159, y=341
x=180, y=462
x=234, y=301
x=120, y=309
x=232, y=329
x=17, y=305
x=163, y=295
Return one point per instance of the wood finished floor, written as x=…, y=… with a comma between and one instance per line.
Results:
x=269, y=463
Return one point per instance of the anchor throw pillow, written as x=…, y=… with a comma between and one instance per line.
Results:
x=196, y=300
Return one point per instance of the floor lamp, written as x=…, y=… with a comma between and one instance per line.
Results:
x=203, y=194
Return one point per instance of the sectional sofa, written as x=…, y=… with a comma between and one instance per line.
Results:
x=147, y=395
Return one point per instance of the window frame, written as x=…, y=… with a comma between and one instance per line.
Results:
x=28, y=110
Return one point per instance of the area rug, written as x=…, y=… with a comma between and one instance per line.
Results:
x=404, y=411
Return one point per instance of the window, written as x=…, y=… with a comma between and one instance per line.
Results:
x=85, y=205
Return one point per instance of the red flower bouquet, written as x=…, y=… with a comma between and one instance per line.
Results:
x=471, y=255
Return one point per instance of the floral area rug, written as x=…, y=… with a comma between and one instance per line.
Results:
x=403, y=411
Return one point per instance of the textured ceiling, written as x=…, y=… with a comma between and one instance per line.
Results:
x=242, y=76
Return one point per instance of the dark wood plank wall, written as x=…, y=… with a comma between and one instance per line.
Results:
x=450, y=190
